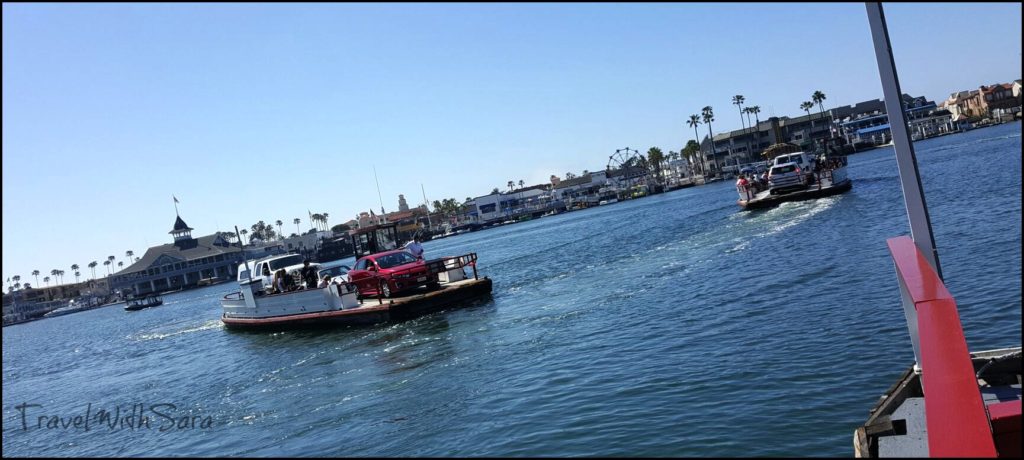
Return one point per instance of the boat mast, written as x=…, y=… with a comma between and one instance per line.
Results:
x=426, y=205
x=906, y=161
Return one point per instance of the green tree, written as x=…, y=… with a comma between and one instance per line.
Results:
x=692, y=153
x=280, y=233
x=35, y=273
x=75, y=268
x=92, y=265
x=296, y=222
x=655, y=157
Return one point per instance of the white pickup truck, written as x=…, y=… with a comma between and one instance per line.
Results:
x=265, y=268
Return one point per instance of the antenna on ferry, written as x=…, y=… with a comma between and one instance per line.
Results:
x=427, y=205
x=906, y=161
x=240, y=248
x=378, y=189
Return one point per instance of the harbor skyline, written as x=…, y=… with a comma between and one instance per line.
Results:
x=254, y=112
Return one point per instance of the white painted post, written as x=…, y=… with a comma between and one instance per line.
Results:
x=910, y=179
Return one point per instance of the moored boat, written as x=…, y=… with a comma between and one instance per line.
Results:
x=67, y=310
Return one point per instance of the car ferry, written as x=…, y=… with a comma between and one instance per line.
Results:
x=367, y=296
x=789, y=182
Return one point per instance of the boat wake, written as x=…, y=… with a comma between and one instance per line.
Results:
x=212, y=324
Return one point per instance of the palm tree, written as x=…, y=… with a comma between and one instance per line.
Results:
x=280, y=234
x=106, y=263
x=54, y=273
x=120, y=264
x=709, y=116
x=818, y=97
x=47, y=280
x=60, y=273
x=737, y=100
x=111, y=259
x=128, y=254
x=510, y=185
x=75, y=268
x=17, y=279
x=296, y=222
x=693, y=122
x=35, y=273
x=244, y=233
x=757, y=123
x=806, y=106
x=324, y=216
x=92, y=265
x=76, y=276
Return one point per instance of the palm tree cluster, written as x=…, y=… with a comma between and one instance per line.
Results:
x=449, y=207
x=320, y=221
x=262, y=231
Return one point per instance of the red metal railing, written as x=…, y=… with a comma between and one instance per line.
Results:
x=958, y=424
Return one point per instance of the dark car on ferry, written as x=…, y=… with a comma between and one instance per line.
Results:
x=391, y=273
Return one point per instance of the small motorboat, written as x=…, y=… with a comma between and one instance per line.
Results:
x=144, y=302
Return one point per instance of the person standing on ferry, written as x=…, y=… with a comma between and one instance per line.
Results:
x=415, y=247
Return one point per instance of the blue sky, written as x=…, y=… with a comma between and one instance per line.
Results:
x=264, y=111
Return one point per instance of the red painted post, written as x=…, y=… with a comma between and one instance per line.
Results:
x=958, y=425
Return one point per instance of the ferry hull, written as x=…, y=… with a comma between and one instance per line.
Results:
x=809, y=194
x=370, y=311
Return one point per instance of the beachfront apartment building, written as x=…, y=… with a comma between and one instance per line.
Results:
x=1001, y=100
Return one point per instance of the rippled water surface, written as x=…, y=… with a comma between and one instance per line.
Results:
x=670, y=325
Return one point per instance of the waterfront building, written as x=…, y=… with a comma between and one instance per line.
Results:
x=503, y=205
x=864, y=121
x=180, y=264
x=999, y=101
x=584, y=190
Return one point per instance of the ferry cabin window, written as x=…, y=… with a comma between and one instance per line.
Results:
x=284, y=262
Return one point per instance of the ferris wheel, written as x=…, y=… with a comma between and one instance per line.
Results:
x=629, y=162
